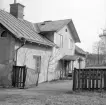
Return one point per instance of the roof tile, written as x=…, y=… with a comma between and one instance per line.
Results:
x=19, y=29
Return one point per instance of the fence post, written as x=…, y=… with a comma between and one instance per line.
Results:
x=78, y=79
x=13, y=76
x=74, y=79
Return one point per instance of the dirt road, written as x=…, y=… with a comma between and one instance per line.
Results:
x=53, y=93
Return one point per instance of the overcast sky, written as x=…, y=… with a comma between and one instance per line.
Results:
x=89, y=16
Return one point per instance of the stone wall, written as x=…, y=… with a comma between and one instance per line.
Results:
x=5, y=75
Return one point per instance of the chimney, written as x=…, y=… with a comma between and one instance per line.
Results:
x=17, y=10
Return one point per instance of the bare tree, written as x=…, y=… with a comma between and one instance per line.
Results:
x=99, y=47
x=53, y=59
x=95, y=47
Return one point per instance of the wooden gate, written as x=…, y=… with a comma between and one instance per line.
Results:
x=19, y=76
x=89, y=79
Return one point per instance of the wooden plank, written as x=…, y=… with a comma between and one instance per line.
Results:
x=100, y=80
x=104, y=80
x=97, y=77
x=24, y=76
x=20, y=77
x=79, y=79
x=86, y=72
x=13, y=76
x=93, y=79
x=82, y=79
x=89, y=85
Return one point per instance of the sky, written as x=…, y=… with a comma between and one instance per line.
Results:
x=89, y=16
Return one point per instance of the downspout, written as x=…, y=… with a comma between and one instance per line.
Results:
x=24, y=42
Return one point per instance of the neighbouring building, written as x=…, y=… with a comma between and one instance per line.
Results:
x=47, y=47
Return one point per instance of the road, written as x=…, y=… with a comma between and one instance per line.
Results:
x=53, y=93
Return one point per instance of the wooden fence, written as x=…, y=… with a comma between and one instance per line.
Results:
x=89, y=79
x=19, y=76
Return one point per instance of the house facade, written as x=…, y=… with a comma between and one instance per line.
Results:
x=47, y=49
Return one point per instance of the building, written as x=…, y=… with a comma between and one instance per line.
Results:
x=47, y=49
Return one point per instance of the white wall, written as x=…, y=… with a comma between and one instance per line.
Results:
x=58, y=53
x=66, y=36
x=25, y=57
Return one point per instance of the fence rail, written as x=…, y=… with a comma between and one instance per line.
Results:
x=19, y=76
x=89, y=79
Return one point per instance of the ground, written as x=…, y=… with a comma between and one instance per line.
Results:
x=52, y=93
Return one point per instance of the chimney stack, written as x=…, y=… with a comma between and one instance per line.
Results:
x=15, y=1
x=17, y=10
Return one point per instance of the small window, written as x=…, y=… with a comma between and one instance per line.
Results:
x=4, y=34
x=66, y=30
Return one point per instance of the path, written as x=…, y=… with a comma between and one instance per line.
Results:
x=53, y=93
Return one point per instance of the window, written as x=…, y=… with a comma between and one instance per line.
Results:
x=61, y=41
x=4, y=34
x=66, y=30
x=70, y=43
x=37, y=63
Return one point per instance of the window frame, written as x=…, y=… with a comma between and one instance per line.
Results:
x=70, y=43
x=38, y=63
x=61, y=41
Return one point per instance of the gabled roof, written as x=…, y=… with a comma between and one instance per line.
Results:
x=48, y=26
x=52, y=25
x=79, y=51
x=19, y=29
x=58, y=25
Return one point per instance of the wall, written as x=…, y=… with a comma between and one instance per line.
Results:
x=66, y=36
x=58, y=52
x=25, y=57
x=6, y=59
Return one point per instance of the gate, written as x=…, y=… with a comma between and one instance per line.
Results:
x=19, y=76
x=89, y=79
